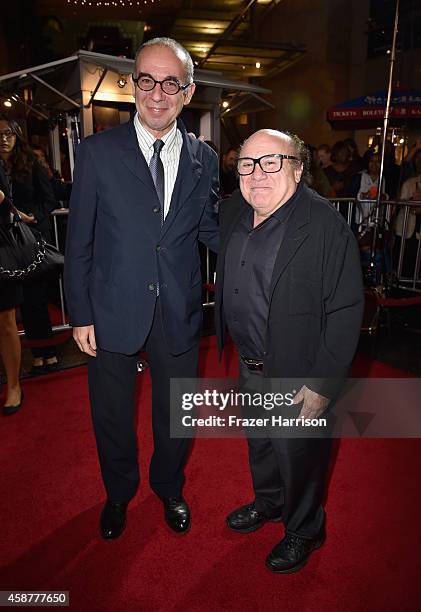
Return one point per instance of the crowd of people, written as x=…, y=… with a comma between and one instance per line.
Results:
x=352, y=176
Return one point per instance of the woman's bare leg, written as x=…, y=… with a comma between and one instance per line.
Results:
x=10, y=351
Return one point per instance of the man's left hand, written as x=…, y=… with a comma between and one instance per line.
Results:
x=313, y=403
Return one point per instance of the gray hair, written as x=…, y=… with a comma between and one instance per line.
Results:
x=301, y=151
x=178, y=50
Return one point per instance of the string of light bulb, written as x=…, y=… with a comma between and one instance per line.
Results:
x=111, y=3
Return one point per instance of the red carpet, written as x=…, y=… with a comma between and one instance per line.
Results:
x=51, y=495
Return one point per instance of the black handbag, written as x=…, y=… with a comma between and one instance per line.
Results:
x=25, y=254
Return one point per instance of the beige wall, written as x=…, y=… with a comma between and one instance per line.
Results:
x=331, y=71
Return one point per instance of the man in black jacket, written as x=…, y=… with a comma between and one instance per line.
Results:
x=290, y=293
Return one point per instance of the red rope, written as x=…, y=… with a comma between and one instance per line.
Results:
x=413, y=301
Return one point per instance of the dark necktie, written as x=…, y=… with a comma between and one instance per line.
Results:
x=157, y=171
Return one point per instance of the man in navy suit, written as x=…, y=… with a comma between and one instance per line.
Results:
x=144, y=193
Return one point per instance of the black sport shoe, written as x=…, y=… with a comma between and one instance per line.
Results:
x=247, y=519
x=292, y=553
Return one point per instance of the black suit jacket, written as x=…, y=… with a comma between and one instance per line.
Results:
x=316, y=294
x=116, y=250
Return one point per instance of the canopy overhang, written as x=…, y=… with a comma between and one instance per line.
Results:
x=367, y=111
x=105, y=63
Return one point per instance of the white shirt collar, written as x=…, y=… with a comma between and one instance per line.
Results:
x=169, y=138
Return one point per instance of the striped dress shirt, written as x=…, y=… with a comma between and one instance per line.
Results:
x=170, y=155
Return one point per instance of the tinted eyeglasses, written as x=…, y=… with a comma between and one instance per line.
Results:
x=169, y=86
x=268, y=163
x=7, y=134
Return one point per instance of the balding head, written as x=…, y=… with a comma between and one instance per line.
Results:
x=267, y=191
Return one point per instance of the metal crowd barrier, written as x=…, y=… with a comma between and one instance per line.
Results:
x=390, y=215
x=410, y=242
x=348, y=207
x=60, y=212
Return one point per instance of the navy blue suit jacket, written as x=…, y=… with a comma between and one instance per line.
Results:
x=117, y=251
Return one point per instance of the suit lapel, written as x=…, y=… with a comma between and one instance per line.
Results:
x=132, y=157
x=231, y=226
x=296, y=234
x=188, y=175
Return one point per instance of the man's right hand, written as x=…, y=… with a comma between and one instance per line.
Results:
x=85, y=339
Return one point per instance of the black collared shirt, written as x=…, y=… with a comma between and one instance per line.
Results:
x=249, y=263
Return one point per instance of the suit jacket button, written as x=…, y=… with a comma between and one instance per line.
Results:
x=152, y=287
x=156, y=209
x=158, y=247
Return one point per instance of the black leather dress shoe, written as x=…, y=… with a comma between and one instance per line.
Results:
x=113, y=520
x=177, y=514
x=292, y=553
x=9, y=410
x=247, y=519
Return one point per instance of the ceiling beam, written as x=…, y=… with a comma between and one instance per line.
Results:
x=230, y=28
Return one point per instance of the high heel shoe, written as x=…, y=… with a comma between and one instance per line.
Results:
x=9, y=410
x=37, y=370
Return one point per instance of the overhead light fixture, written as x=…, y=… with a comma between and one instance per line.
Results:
x=258, y=65
x=7, y=103
x=121, y=81
x=225, y=103
x=109, y=3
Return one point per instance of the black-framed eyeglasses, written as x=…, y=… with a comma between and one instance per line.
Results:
x=146, y=82
x=8, y=134
x=268, y=163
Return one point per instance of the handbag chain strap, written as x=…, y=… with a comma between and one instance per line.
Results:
x=25, y=271
x=21, y=273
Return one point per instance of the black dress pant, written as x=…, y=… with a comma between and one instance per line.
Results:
x=112, y=383
x=35, y=316
x=34, y=310
x=288, y=474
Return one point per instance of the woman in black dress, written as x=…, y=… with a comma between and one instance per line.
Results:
x=33, y=196
x=10, y=297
